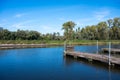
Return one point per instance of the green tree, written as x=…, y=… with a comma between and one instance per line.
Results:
x=33, y=35
x=116, y=28
x=5, y=34
x=102, y=31
x=110, y=33
x=78, y=33
x=21, y=35
x=84, y=34
x=68, y=29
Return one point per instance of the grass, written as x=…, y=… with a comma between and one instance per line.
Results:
x=30, y=42
x=90, y=42
x=75, y=42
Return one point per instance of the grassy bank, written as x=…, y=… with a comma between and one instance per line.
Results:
x=90, y=42
x=75, y=42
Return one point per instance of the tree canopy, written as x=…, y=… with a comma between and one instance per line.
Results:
x=68, y=29
x=105, y=30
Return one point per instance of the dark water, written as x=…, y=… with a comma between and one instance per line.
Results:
x=49, y=64
x=93, y=48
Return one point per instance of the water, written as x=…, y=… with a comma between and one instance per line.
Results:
x=93, y=48
x=49, y=64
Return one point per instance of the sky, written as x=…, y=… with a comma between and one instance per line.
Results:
x=47, y=16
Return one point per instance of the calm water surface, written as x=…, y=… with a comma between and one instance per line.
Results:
x=49, y=64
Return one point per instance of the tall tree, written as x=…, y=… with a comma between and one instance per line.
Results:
x=116, y=28
x=110, y=23
x=68, y=29
x=102, y=30
x=78, y=33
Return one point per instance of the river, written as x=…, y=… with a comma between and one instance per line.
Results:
x=49, y=64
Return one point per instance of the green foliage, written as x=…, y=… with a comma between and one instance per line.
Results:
x=106, y=30
x=109, y=30
x=68, y=30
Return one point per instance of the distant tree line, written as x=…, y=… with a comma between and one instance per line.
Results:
x=106, y=30
x=27, y=35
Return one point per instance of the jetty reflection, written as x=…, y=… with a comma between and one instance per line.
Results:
x=68, y=60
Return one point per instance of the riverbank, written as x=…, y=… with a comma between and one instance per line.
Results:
x=16, y=46
x=80, y=42
x=10, y=44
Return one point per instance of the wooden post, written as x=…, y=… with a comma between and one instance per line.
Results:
x=109, y=52
x=97, y=46
x=64, y=46
x=75, y=57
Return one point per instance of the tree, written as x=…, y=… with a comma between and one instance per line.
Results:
x=102, y=30
x=110, y=23
x=58, y=36
x=54, y=36
x=109, y=29
x=84, y=35
x=12, y=36
x=5, y=34
x=33, y=35
x=21, y=34
x=116, y=28
x=78, y=33
x=68, y=29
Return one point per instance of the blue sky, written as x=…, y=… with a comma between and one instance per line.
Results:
x=47, y=16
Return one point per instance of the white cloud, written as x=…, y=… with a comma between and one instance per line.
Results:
x=101, y=14
x=49, y=29
x=28, y=25
x=78, y=23
x=23, y=24
x=19, y=15
x=83, y=22
x=17, y=25
x=2, y=24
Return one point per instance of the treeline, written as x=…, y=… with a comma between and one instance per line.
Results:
x=106, y=30
x=27, y=35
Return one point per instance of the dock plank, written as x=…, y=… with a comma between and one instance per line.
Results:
x=113, y=50
x=98, y=57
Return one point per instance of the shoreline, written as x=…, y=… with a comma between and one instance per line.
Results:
x=15, y=44
x=18, y=46
x=43, y=45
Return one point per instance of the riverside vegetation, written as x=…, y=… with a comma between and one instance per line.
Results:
x=103, y=31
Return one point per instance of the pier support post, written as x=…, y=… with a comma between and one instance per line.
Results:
x=109, y=53
x=90, y=59
x=75, y=57
x=97, y=46
x=64, y=53
x=65, y=46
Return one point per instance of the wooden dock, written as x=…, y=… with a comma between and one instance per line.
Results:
x=113, y=50
x=111, y=60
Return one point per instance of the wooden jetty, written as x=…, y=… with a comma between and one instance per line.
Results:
x=92, y=57
x=113, y=50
